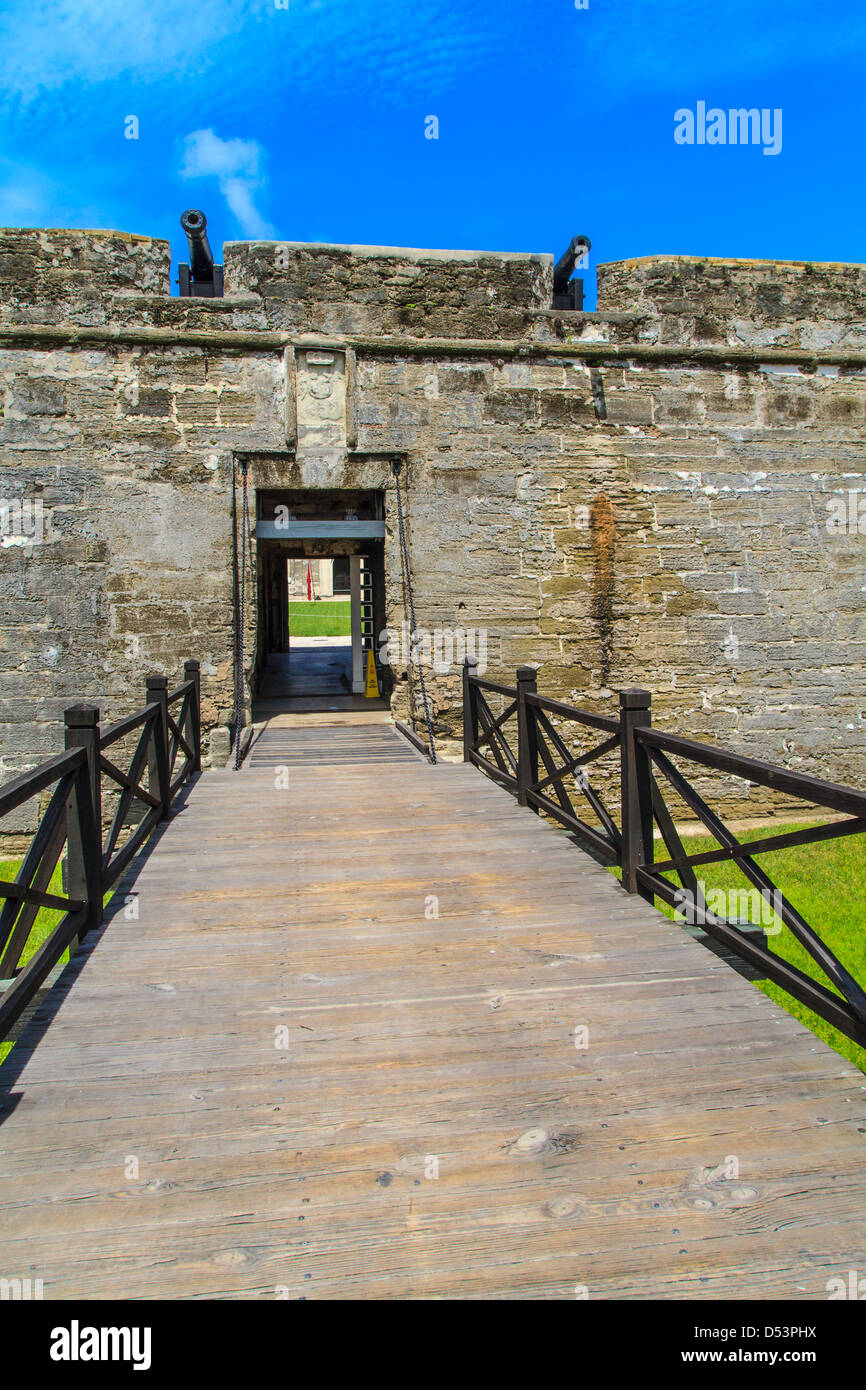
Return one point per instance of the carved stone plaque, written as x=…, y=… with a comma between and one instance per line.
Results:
x=321, y=395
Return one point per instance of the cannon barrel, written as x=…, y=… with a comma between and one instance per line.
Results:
x=194, y=224
x=566, y=263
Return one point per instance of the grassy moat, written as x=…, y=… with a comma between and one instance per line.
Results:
x=826, y=883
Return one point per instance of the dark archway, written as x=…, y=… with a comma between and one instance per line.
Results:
x=343, y=526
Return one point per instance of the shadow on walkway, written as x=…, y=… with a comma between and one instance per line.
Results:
x=32, y=1027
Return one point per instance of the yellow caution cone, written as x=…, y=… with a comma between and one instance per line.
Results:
x=371, y=690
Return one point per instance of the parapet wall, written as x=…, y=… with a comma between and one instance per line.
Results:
x=44, y=267
x=691, y=299
x=387, y=289
x=99, y=277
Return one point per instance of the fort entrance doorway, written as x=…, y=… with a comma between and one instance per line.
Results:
x=321, y=596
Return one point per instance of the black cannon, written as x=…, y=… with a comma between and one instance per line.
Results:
x=199, y=277
x=567, y=293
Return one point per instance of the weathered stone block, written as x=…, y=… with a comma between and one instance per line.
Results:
x=38, y=396
x=516, y=407
x=236, y=407
x=194, y=407
x=565, y=408
x=629, y=407
x=154, y=404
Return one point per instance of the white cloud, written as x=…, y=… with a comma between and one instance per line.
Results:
x=235, y=164
x=206, y=154
x=48, y=44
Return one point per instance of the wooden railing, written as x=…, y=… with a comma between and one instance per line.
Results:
x=71, y=829
x=522, y=749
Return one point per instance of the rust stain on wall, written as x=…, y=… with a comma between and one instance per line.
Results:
x=603, y=533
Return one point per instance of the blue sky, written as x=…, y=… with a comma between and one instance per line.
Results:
x=307, y=122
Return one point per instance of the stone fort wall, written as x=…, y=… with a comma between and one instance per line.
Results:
x=635, y=496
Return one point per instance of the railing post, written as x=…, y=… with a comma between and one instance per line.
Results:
x=527, y=734
x=636, y=786
x=84, y=815
x=157, y=694
x=470, y=709
x=192, y=672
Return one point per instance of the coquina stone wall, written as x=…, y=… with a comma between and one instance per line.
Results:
x=639, y=496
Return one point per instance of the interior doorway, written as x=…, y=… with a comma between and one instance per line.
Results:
x=321, y=600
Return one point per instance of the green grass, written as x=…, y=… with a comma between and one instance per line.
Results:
x=44, y=923
x=826, y=883
x=320, y=619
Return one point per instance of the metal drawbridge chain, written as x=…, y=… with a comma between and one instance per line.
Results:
x=239, y=636
x=413, y=648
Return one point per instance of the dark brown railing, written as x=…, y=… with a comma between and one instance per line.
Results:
x=522, y=749
x=167, y=750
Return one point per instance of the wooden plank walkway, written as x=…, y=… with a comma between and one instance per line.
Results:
x=322, y=745
x=157, y=1143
